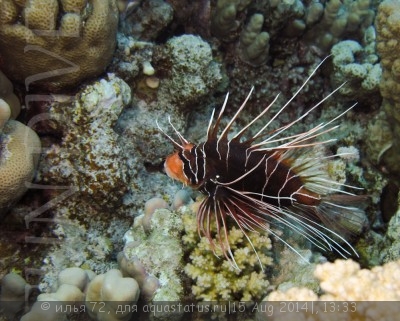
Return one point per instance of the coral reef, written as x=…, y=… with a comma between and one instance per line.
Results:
x=34, y=52
x=193, y=72
x=176, y=59
x=70, y=288
x=224, y=15
x=392, y=251
x=102, y=294
x=88, y=164
x=19, y=156
x=187, y=75
x=214, y=277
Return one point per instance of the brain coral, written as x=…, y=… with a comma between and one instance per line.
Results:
x=56, y=44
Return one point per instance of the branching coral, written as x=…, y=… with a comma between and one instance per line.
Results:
x=56, y=44
x=340, y=18
x=343, y=280
x=223, y=18
x=215, y=279
x=254, y=44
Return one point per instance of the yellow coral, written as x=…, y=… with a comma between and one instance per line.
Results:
x=215, y=278
x=56, y=44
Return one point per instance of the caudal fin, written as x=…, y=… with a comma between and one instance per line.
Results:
x=343, y=213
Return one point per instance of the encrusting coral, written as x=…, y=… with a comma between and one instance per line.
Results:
x=155, y=253
x=87, y=159
x=89, y=156
x=56, y=44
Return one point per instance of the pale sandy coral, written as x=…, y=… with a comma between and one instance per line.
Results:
x=56, y=44
x=5, y=113
x=150, y=207
x=344, y=283
x=340, y=18
x=388, y=46
x=254, y=43
x=19, y=156
x=215, y=279
x=68, y=291
x=113, y=289
x=13, y=291
x=224, y=17
x=357, y=67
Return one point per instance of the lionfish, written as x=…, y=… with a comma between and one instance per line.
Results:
x=265, y=180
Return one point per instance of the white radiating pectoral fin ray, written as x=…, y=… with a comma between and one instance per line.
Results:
x=175, y=143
